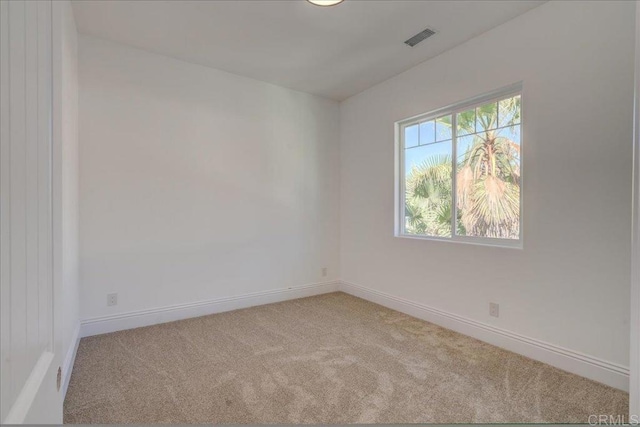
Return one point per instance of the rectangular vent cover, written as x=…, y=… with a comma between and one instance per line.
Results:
x=422, y=35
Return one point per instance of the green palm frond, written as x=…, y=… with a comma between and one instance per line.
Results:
x=432, y=178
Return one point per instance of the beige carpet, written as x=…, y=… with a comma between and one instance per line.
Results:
x=328, y=359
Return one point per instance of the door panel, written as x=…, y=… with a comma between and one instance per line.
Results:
x=29, y=363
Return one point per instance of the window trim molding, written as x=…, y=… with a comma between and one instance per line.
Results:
x=399, y=182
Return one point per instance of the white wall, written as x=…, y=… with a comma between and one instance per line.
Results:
x=569, y=286
x=68, y=300
x=197, y=184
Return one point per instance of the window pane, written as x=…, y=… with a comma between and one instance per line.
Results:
x=509, y=111
x=427, y=132
x=428, y=201
x=488, y=184
x=466, y=122
x=411, y=136
x=443, y=128
x=487, y=117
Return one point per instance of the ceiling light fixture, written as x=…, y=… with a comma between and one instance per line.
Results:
x=325, y=2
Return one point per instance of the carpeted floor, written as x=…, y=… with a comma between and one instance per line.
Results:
x=327, y=359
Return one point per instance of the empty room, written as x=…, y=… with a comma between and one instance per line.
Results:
x=320, y=212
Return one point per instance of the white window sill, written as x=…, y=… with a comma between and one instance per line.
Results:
x=477, y=241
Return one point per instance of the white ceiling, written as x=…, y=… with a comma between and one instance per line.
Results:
x=333, y=52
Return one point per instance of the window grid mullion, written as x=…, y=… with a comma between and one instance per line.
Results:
x=454, y=157
x=403, y=178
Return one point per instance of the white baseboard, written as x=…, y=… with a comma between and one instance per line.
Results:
x=69, y=360
x=596, y=369
x=603, y=371
x=137, y=319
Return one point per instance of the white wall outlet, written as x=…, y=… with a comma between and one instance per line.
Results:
x=494, y=309
x=112, y=299
x=324, y=271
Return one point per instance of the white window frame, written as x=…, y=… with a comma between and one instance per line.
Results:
x=400, y=181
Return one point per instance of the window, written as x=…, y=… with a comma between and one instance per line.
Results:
x=460, y=172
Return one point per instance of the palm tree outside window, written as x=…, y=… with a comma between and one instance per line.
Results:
x=460, y=171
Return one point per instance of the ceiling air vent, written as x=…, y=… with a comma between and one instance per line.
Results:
x=419, y=37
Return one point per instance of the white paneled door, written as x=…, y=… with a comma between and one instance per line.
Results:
x=634, y=368
x=29, y=365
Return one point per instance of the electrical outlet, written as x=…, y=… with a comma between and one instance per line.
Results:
x=324, y=271
x=112, y=299
x=494, y=309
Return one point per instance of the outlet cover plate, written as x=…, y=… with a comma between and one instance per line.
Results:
x=494, y=309
x=112, y=299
